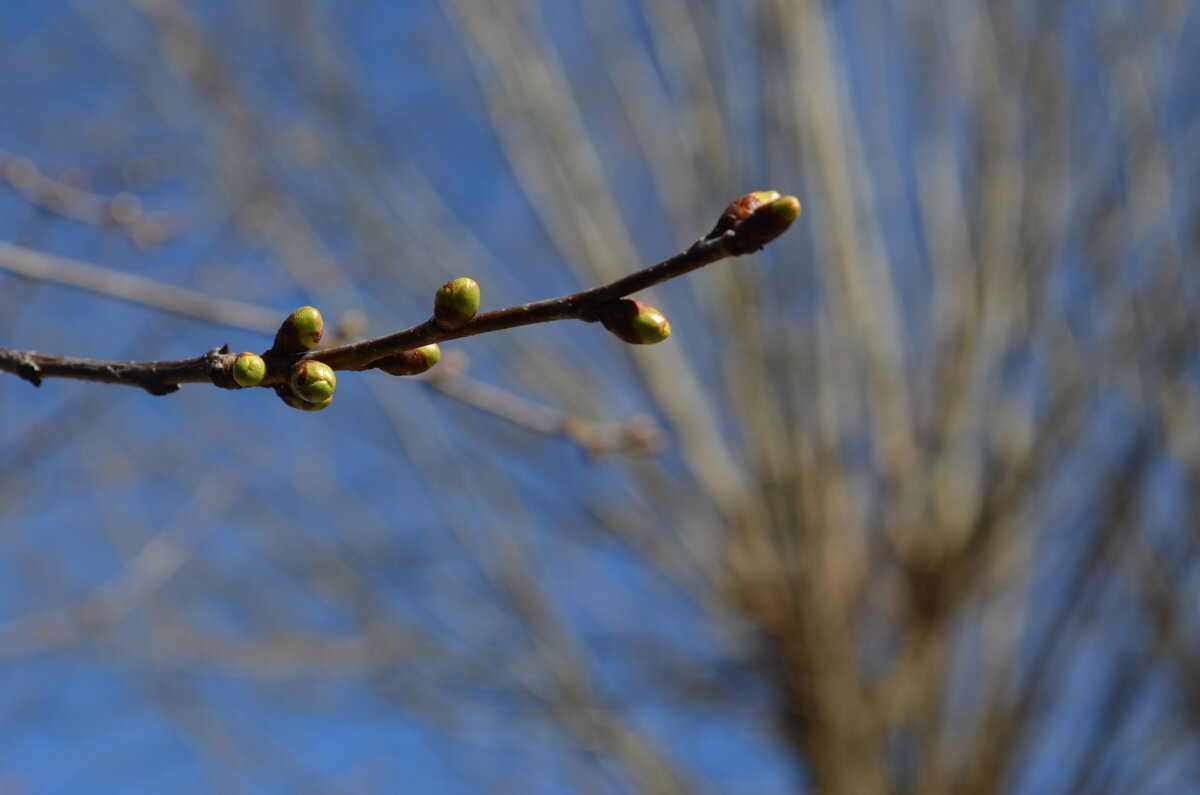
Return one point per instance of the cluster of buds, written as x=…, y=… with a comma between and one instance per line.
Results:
x=756, y=219
x=311, y=385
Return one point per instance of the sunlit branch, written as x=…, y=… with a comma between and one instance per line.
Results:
x=745, y=227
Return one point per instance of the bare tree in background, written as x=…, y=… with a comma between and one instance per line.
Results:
x=929, y=515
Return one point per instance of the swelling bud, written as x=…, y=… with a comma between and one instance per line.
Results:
x=300, y=332
x=456, y=302
x=412, y=362
x=249, y=369
x=313, y=381
x=741, y=209
x=634, y=322
x=757, y=219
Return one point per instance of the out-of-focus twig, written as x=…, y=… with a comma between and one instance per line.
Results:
x=128, y=287
x=122, y=210
x=638, y=434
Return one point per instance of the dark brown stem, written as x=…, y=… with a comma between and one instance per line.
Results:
x=161, y=378
x=157, y=378
x=579, y=306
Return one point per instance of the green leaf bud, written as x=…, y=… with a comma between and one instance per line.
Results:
x=456, y=302
x=412, y=362
x=301, y=331
x=249, y=369
x=313, y=381
x=634, y=322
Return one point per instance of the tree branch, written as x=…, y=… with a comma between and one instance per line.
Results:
x=746, y=226
x=577, y=306
x=638, y=434
x=129, y=287
x=122, y=210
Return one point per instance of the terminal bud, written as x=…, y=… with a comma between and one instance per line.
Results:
x=757, y=219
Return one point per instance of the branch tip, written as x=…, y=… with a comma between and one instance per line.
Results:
x=755, y=220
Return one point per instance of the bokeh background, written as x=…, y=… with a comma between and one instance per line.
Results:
x=909, y=502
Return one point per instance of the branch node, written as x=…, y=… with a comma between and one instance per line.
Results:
x=218, y=366
x=28, y=370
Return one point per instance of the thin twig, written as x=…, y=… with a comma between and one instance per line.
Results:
x=222, y=311
x=121, y=210
x=639, y=433
x=215, y=366
x=578, y=306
